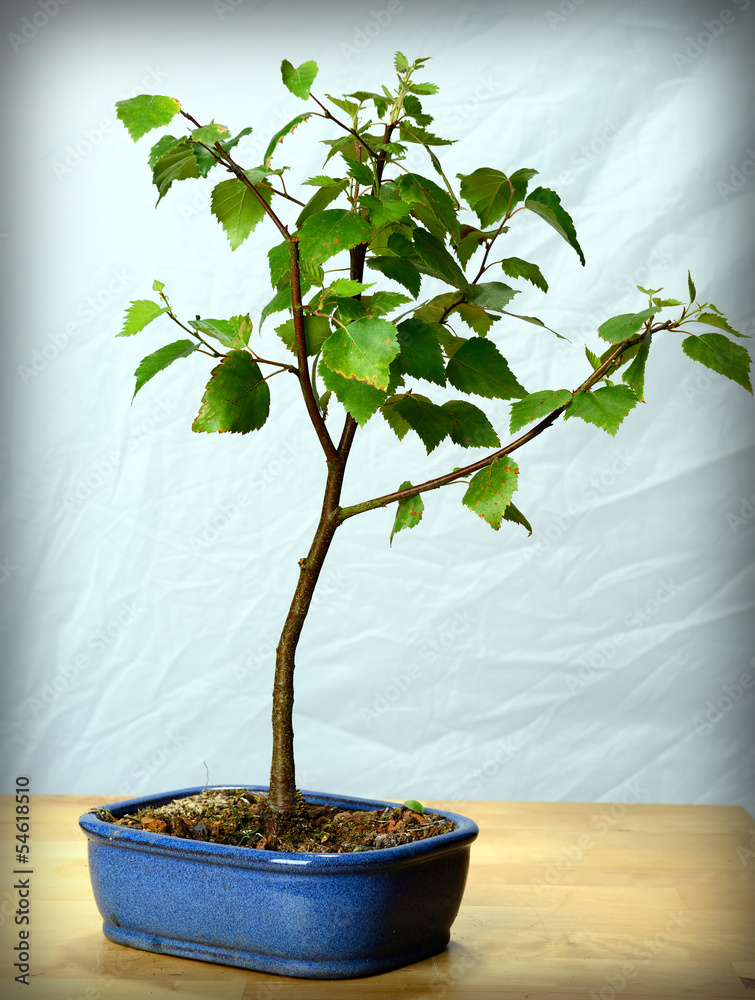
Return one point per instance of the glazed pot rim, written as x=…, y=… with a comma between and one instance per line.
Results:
x=466, y=830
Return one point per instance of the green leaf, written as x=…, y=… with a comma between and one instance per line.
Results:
x=513, y=513
x=488, y=192
x=233, y=332
x=477, y=367
x=327, y=233
x=402, y=65
x=361, y=172
x=397, y=270
x=720, y=355
x=421, y=88
x=536, y=406
x=138, y=315
x=470, y=428
x=475, y=317
x=163, y=357
x=408, y=515
x=720, y=322
x=432, y=423
x=321, y=199
x=281, y=134
x=413, y=108
x=384, y=212
x=279, y=260
x=321, y=180
x=357, y=398
x=519, y=181
x=415, y=189
x=316, y=331
x=384, y=302
x=491, y=489
x=692, y=289
x=397, y=424
x=210, y=134
x=547, y=205
x=622, y=327
x=143, y=113
x=493, y=295
x=177, y=164
x=237, y=209
x=157, y=286
x=348, y=106
x=229, y=145
x=634, y=376
x=236, y=398
x=605, y=407
x=592, y=358
x=421, y=355
x=438, y=260
x=280, y=301
x=515, y=267
x=536, y=322
x=415, y=133
x=299, y=80
x=363, y=350
x=162, y=145
x=346, y=288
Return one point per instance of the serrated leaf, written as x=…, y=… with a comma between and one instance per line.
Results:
x=535, y=406
x=592, y=358
x=513, y=514
x=147, y=111
x=384, y=302
x=478, y=367
x=233, y=332
x=491, y=489
x=431, y=423
x=163, y=144
x=138, y=315
x=470, y=427
x=413, y=108
x=402, y=65
x=422, y=88
x=397, y=424
x=177, y=164
x=279, y=261
x=384, y=212
x=237, y=209
x=397, y=270
x=299, y=79
x=345, y=287
x=210, y=134
x=547, y=205
x=157, y=286
x=421, y=356
x=231, y=143
x=634, y=376
x=493, y=295
x=327, y=233
x=280, y=301
x=357, y=398
x=408, y=515
x=692, y=289
x=536, y=322
x=322, y=180
x=663, y=303
x=363, y=350
x=605, y=407
x=317, y=329
x=236, y=398
x=348, y=106
x=515, y=267
x=719, y=321
x=154, y=363
x=519, y=181
x=361, y=172
x=415, y=133
x=720, y=355
x=438, y=261
x=320, y=200
x=416, y=189
x=488, y=192
x=281, y=134
x=619, y=328
x=476, y=318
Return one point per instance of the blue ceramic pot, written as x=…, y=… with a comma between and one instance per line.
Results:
x=318, y=916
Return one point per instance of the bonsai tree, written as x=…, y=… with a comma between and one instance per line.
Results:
x=368, y=343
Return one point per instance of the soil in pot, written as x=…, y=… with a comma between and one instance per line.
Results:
x=240, y=817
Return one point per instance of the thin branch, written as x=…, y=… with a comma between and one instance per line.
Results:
x=346, y=128
x=193, y=333
x=450, y=477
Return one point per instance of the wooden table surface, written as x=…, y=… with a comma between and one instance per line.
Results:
x=564, y=900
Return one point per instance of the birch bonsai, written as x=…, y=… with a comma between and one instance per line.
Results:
x=358, y=348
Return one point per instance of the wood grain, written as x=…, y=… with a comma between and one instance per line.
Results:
x=564, y=900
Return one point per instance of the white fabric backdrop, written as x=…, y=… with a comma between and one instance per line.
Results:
x=147, y=569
